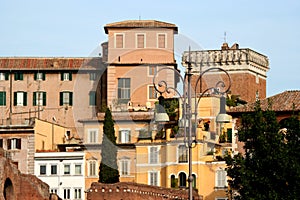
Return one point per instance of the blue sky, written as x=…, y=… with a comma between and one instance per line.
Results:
x=75, y=28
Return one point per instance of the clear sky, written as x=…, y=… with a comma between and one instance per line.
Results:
x=75, y=28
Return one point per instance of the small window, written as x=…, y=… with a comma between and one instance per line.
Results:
x=152, y=94
x=66, y=76
x=92, y=97
x=66, y=98
x=53, y=169
x=124, y=136
x=67, y=193
x=14, y=143
x=67, y=169
x=182, y=179
x=153, y=155
x=153, y=178
x=152, y=70
x=92, y=168
x=119, y=41
x=161, y=40
x=124, y=163
x=140, y=40
x=93, y=76
x=53, y=191
x=92, y=136
x=20, y=98
x=1, y=143
x=2, y=98
x=221, y=178
x=77, y=193
x=39, y=76
x=4, y=76
x=124, y=90
x=43, y=169
x=39, y=98
x=18, y=76
x=182, y=154
x=77, y=169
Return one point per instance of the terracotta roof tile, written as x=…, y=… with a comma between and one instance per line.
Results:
x=285, y=101
x=49, y=63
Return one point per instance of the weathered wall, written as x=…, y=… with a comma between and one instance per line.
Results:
x=134, y=191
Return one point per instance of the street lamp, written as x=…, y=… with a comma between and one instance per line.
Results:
x=187, y=113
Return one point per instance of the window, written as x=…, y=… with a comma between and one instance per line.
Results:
x=53, y=190
x=2, y=98
x=119, y=40
x=14, y=143
x=92, y=96
x=140, y=40
x=182, y=179
x=67, y=193
x=161, y=43
x=77, y=193
x=152, y=70
x=92, y=136
x=20, y=98
x=221, y=178
x=93, y=76
x=152, y=92
x=182, y=154
x=173, y=181
x=124, y=136
x=43, y=169
x=92, y=167
x=67, y=169
x=66, y=98
x=39, y=76
x=53, y=169
x=153, y=178
x=66, y=76
x=194, y=183
x=124, y=89
x=4, y=76
x=153, y=155
x=39, y=98
x=18, y=76
x=124, y=163
x=1, y=143
x=78, y=169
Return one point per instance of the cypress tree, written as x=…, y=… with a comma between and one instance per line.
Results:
x=108, y=170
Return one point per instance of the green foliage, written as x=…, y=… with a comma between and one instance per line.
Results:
x=234, y=100
x=108, y=167
x=270, y=168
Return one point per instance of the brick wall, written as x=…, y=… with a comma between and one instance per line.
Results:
x=135, y=191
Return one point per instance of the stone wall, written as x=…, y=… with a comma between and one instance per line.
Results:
x=134, y=191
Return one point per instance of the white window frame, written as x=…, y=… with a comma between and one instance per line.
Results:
x=66, y=76
x=39, y=76
x=93, y=76
x=124, y=135
x=115, y=41
x=149, y=92
x=2, y=76
x=75, y=169
x=43, y=165
x=92, y=168
x=157, y=36
x=20, y=99
x=92, y=139
x=179, y=151
x=77, y=193
x=51, y=169
x=66, y=193
x=124, y=164
x=150, y=70
x=137, y=42
x=39, y=98
x=153, y=156
x=150, y=178
x=220, y=178
x=67, y=164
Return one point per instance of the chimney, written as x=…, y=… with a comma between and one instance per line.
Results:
x=225, y=46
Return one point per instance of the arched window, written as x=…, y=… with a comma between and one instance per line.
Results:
x=173, y=181
x=194, y=181
x=8, y=191
x=182, y=179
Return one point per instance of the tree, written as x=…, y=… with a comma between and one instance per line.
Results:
x=270, y=167
x=108, y=167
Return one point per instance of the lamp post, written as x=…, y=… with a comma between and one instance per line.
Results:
x=187, y=113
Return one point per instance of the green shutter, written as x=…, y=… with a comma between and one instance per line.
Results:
x=44, y=76
x=229, y=135
x=15, y=98
x=44, y=98
x=62, y=76
x=16, y=76
x=61, y=99
x=70, y=75
x=6, y=76
x=70, y=98
x=21, y=76
x=25, y=98
x=34, y=99
x=2, y=98
x=35, y=76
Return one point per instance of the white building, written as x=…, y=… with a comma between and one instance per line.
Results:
x=64, y=172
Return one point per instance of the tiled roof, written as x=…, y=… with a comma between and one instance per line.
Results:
x=49, y=63
x=140, y=24
x=123, y=116
x=285, y=101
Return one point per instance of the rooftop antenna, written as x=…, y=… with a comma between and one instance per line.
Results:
x=225, y=37
x=139, y=17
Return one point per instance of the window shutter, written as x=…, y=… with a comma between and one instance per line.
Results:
x=61, y=99
x=8, y=143
x=19, y=143
x=1, y=143
x=15, y=98
x=25, y=99
x=35, y=76
x=62, y=76
x=70, y=76
x=34, y=99
x=21, y=76
x=2, y=98
x=6, y=76
x=70, y=98
x=44, y=98
x=16, y=76
x=44, y=76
